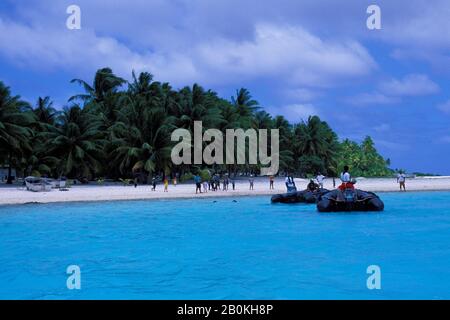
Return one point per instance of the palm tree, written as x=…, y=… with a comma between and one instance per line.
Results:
x=15, y=132
x=78, y=143
x=46, y=115
x=229, y=118
x=287, y=144
x=120, y=131
x=262, y=120
x=311, y=139
x=105, y=82
x=245, y=106
x=142, y=141
x=196, y=104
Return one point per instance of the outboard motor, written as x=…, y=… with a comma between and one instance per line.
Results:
x=350, y=198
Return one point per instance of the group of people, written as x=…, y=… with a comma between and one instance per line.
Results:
x=214, y=183
x=223, y=183
x=313, y=185
x=347, y=182
x=165, y=183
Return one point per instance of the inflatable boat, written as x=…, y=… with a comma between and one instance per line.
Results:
x=305, y=196
x=349, y=200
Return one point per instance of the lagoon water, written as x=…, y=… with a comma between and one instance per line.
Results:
x=249, y=249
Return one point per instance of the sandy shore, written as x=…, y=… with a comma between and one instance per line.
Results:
x=18, y=195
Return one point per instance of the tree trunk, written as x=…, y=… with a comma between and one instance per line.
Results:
x=9, y=180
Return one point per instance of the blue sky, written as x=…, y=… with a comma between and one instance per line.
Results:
x=296, y=57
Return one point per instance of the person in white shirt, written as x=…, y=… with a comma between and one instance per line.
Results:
x=320, y=179
x=345, y=175
x=401, y=179
x=346, y=179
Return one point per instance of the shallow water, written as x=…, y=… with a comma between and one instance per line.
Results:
x=200, y=249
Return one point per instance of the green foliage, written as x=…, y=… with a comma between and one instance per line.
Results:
x=126, y=182
x=363, y=159
x=122, y=130
x=316, y=147
x=205, y=174
x=186, y=177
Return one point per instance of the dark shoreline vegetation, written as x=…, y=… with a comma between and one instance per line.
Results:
x=120, y=130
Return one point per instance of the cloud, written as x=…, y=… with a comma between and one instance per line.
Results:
x=301, y=94
x=290, y=53
x=445, y=107
x=286, y=53
x=372, y=98
x=445, y=139
x=392, y=91
x=295, y=112
x=393, y=146
x=419, y=24
x=410, y=85
x=384, y=127
x=83, y=52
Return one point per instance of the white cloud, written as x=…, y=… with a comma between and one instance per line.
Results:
x=445, y=139
x=291, y=53
x=302, y=94
x=384, y=127
x=83, y=52
x=391, y=145
x=372, y=98
x=419, y=24
x=288, y=53
x=410, y=85
x=295, y=112
x=394, y=90
x=445, y=107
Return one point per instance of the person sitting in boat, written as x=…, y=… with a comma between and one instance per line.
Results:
x=312, y=186
x=347, y=181
x=290, y=184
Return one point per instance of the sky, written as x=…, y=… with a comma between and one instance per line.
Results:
x=297, y=58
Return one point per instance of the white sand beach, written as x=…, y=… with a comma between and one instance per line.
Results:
x=19, y=195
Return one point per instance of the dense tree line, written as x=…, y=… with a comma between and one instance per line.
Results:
x=118, y=129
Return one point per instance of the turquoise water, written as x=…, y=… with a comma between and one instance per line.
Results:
x=249, y=249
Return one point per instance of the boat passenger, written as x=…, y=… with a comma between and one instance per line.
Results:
x=347, y=181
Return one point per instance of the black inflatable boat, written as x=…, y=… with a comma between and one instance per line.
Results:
x=349, y=200
x=305, y=196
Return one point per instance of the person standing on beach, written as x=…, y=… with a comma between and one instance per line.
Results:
x=401, y=179
x=233, y=183
x=251, y=180
x=198, y=184
x=320, y=177
x=166, y=184
x=271, y=179
x=135, y=182
x=175, y=180
x=205, y=186
x=153, y=184
x=225, y=179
